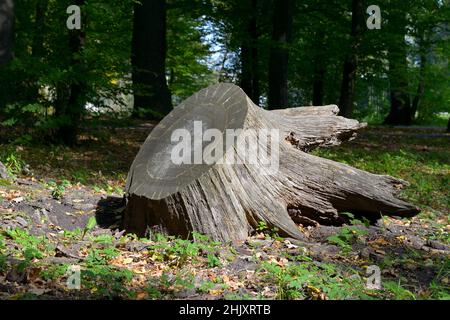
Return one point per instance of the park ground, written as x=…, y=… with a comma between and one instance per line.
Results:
x=47, y=225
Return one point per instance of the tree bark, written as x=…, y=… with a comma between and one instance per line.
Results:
x=423, y=45
x=420, y=86
x=351, y=60
x=319, y=70
x=400, y=112
x=6, y=31
x=249, y=55
x=71, y=97
x=152, y=98
x=38, y=49
x=279, y=54
x=228, y=201
x=39, y=25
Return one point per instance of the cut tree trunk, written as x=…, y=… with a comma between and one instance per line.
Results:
x=228, y=201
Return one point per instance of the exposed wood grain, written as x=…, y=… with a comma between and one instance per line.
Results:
x=228, y=201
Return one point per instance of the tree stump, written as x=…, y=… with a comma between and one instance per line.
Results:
x=228, y=200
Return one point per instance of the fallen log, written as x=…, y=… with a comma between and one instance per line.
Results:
x=282, y=186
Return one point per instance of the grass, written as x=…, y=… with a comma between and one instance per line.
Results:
x=412, y=156
x=168, y=266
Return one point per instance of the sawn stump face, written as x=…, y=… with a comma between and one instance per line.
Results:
x=153, y=174
x=226, y=200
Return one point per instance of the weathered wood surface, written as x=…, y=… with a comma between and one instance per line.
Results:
x=227, y=201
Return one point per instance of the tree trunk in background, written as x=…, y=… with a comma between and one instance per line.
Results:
x=38, y=50
x=423, y=47
x=152, y=98
x=249, y=56
x=318, y=89
x=448, y=125
x=39, y=25
x=420, y=86
x=351, y=60
x=319, y=70
x=401, y=111
x=6, y=31
x=279, y=54
x=71, y=98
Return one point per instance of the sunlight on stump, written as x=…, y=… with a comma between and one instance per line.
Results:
x=228, y=199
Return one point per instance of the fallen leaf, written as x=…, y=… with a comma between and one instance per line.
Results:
x=141, y=296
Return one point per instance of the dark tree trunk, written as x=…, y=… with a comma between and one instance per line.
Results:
x=6, y=31
x=318, y=89
x=227, y=200
x=38, y=50
x=71, y=98
x=448, y=125
x=420, y=87
x=279, y=54
x=249, y=56
x=319, y=70
x=423, y=61
x=39, y=25
x=152, y=98
x=351, y=60
x=401, y=111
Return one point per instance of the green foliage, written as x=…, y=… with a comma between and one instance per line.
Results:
x=262, y=227
x=101, y=256
x=428, y=180
x=187, y=55
x=103, y=279
x=204, y=41
x=346, y=237
x=28, y=249
x=354, y=221
x=2, y=251
x=54, y=272
x=213, y=261
x=309, y=281
x=92, y=222
x=177, y=252
x=58, y=189
x=31, y=247
x=398, y=291
x=12, y=160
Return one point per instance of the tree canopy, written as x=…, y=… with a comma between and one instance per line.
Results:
x=283, y=54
